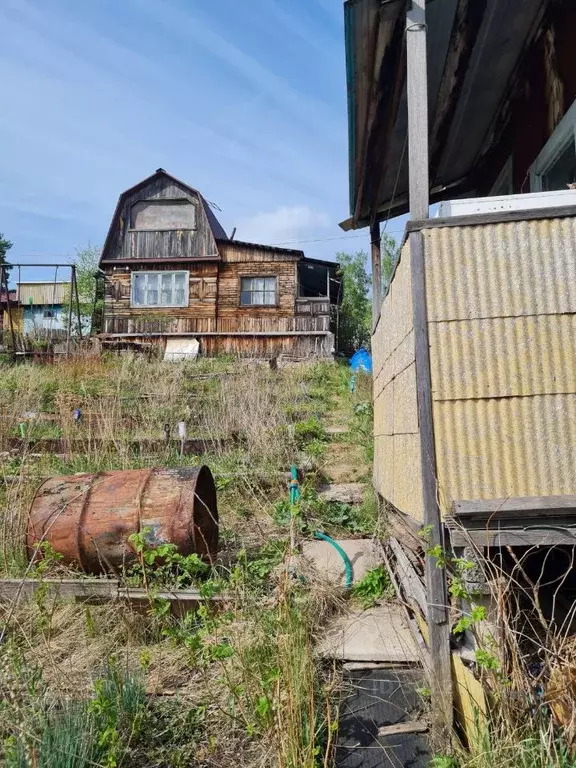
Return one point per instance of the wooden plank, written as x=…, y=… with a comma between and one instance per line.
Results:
x=408, y=577
x=519, y=506
x=436, y=587
x=417, y=110
x=376, y=251
x=412, y=726
x=94, y=589
x=513, y=537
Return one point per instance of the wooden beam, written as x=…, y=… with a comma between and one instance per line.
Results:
x=417, y=72
x=529, y=536
x=376, y=251
x=494, y=217
x=408, y=577
x=96, y=590
x=515, y=507
x=436, y=588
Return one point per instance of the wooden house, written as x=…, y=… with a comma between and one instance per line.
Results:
x=471, y=105
x=171, y=274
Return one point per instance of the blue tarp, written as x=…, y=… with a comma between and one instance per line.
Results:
x=361, y=361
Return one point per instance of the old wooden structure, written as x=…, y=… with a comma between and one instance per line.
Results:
x=171, y=272
x=473, y=341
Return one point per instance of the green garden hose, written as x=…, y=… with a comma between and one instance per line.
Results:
x=343, y=555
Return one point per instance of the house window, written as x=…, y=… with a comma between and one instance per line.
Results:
x=555, y=166
x=48, y=313
x=159, y=289
x=157, y=215
x=258, y=291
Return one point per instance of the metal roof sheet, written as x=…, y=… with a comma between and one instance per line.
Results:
x=42, y=293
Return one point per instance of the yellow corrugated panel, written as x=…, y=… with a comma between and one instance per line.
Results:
x=42, y=293
x=501, y=270
x=499, y=448
x=401, y=320
x=407, y=475
x=384, y=465
x=405, y=402
x=502, y=357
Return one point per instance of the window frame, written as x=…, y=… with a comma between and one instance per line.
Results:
x=258, y=277
x=505, y=180
x=157, y=201
x=564, y=133
x=173, y=272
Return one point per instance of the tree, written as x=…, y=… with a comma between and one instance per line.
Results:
x=5, y=246
x=86, y=262
x=354, y=326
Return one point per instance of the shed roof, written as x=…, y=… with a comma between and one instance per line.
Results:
x=474, y=49
x=43, y=294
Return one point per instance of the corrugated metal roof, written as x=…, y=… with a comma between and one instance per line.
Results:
x=42, y=293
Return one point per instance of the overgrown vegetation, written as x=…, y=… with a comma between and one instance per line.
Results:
x=235, y=681
x=355, y=314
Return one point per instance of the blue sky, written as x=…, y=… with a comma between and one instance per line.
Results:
x=245, y=101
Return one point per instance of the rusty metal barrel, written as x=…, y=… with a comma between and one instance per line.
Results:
x=88, y=518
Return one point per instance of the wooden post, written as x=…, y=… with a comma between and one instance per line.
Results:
x=417, y=110
x=4, y=284
x=69, y=328
x=376, y=251
x=438, y=615
x=75, y=289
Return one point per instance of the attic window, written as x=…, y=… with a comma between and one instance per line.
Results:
x=155, y=215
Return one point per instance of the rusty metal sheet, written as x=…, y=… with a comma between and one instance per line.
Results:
x=503, y=357
x=501, y=270
x=508, y=447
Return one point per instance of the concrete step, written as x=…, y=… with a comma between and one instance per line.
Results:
x=377, y=635
x=348, y=493
x=321, y=560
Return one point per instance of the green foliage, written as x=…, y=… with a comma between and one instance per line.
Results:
x=72, y=733
x=374, y=586
x=5, y=246
x=355, y=309
x=307, y=431
x=86, y=261
x=160, y=564
x=332, y=517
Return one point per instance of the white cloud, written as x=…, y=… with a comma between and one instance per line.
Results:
x=286, y=223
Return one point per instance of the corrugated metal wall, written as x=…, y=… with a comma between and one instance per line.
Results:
x=502, y=323
x=396, y=437
x=42, y=293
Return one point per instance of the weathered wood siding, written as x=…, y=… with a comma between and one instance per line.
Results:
x=396, y=436
x=127, y=243
x=198, y=316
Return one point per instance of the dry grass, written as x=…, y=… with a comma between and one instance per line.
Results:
x=249, y=671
